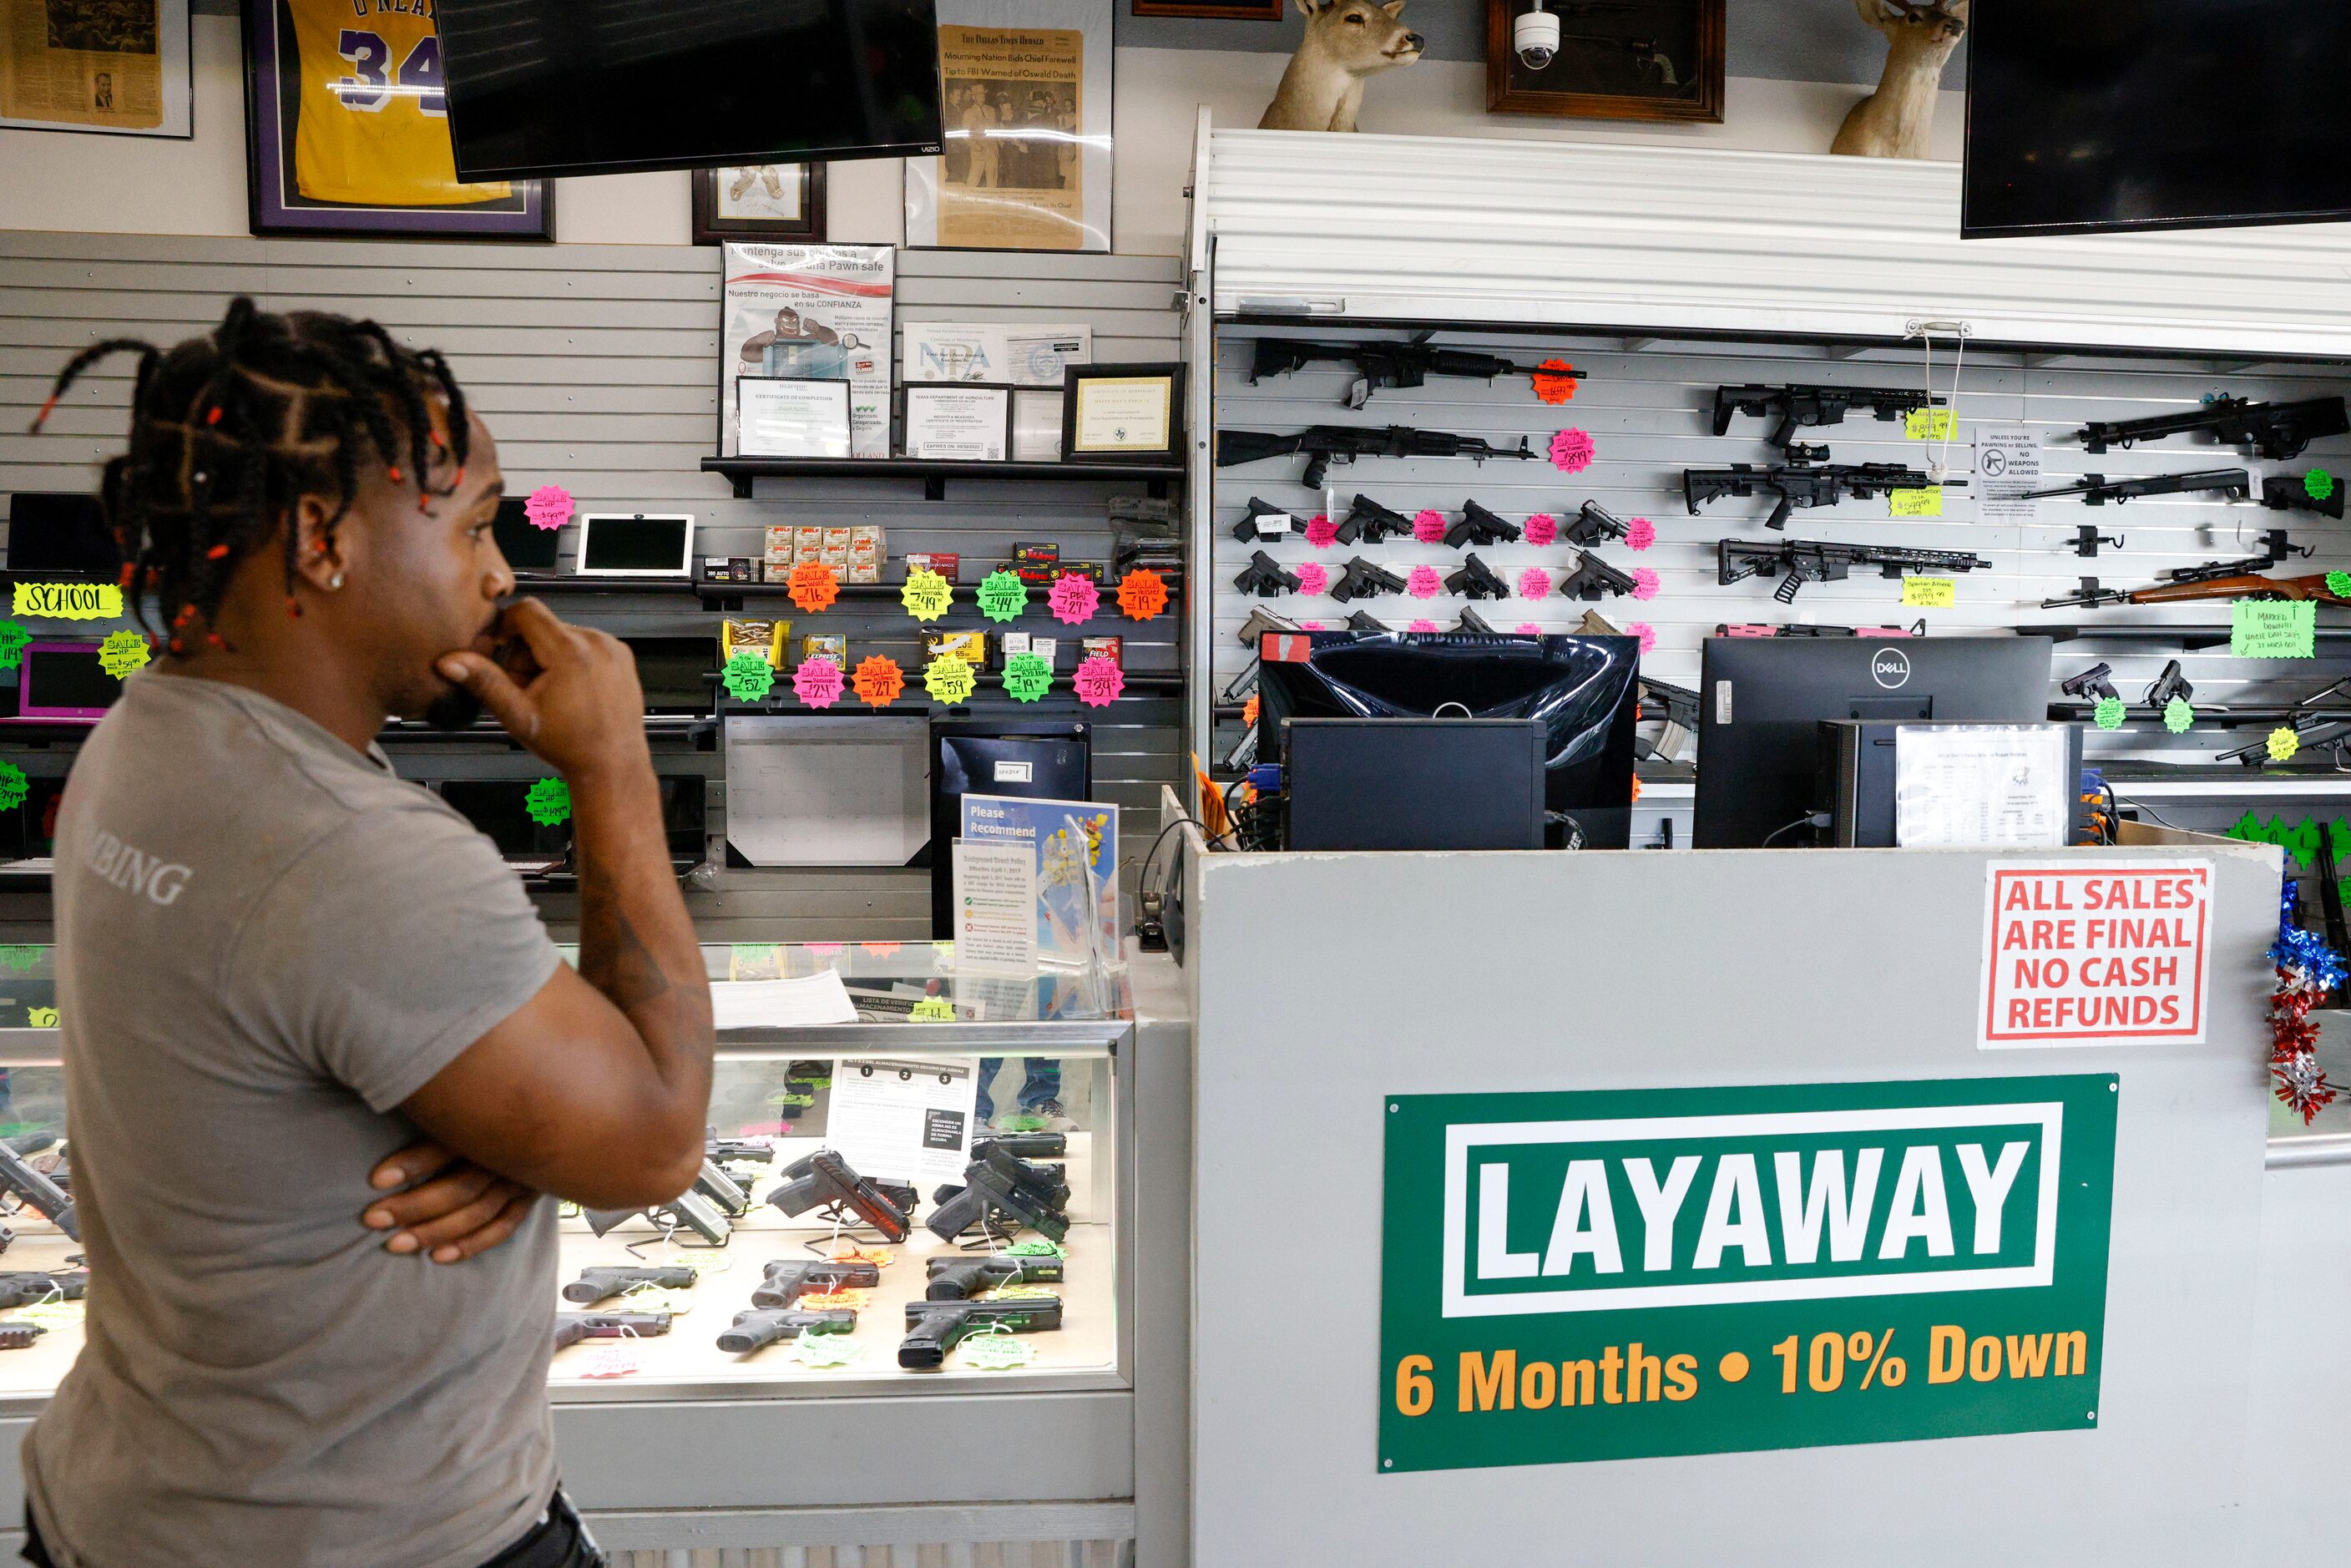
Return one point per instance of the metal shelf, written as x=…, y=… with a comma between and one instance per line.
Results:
x=934, y=473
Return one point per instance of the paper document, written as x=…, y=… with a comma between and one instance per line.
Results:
x=904, y=1121
x=1979, y=785
x=813, y=999
x=995, y=908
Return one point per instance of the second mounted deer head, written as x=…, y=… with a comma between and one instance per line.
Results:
x=1346, y=40
x=1898, y=120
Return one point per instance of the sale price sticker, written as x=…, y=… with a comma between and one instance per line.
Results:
x=1028, y=676
x=949, y=680
x=2076, y=955
x=813, y=586
x=879, y=680
x=1099, y=682
x=1073, y=599
x=927, y=595
x=1142, y=594
x=817, y=682
x=1002, y=596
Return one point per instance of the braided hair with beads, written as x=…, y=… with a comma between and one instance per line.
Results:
x=229, y=430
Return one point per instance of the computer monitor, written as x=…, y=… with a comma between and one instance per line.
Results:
x=499, y=808
x=527, y=547
x=1032, y=761
x=1760, y=701
x=638, y=544
x=1581, y=689
x=62, y=683
x=62, y=532
x=670, y=672
x=1413, y=783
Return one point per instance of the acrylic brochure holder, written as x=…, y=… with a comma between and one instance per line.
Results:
x=1037, y=895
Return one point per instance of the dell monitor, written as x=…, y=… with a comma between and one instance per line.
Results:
x=1762, y=699
x=599, y=87
x=1581, y=689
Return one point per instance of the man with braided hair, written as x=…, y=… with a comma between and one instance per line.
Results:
x=278, y=963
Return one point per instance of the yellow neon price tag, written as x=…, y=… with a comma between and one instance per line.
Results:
x=1929, y=423
x=1929, y=592
x=927, y=594
x=1927, y=503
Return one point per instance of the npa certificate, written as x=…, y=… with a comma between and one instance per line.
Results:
x=1123, y=413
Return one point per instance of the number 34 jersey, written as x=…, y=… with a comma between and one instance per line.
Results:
x=373, y=124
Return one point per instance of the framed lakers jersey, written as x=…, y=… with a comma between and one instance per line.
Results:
x=348, y=127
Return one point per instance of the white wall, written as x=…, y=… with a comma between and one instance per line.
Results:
x=128, y=184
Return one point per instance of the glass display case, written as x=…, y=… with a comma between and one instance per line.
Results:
x=926, y=1198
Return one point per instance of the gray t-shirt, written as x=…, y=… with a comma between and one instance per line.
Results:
x=266, y=942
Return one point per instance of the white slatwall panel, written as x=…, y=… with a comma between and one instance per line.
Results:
x=1689, y=238
x=596, y=368
x=1648, y=410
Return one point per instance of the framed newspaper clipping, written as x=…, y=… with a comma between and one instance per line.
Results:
x=119, y=67
x=1025, y=105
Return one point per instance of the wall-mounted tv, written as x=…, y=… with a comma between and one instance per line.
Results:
x=2087, y=115
x=537, y=88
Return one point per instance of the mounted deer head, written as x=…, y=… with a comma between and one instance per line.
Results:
x=1897, y=120
x=1346, y=40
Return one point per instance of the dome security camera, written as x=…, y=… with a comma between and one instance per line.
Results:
x=1535, y=37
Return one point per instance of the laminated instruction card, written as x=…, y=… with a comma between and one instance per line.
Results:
x=1072, y=851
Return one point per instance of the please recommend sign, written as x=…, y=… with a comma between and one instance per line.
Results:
x=1617, y=1274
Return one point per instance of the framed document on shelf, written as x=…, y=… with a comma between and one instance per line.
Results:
x=961, y=421
x=1122, y=413
x=791, y=417
x=1036, y=424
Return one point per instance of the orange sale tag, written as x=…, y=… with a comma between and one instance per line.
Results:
x=1142, y=594
x=813, y=586
x=879, y=680
x=1554, y=381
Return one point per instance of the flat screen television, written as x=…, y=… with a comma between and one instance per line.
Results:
x=599, y=87
x=61, y=532
x=2091, y=115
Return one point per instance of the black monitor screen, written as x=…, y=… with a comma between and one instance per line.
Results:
x=670, y=669
x=500, y=808
x=2121, y=114
x=1581, y=688
x=59, y=679
x=525, y=545
x=582, y=87
x=634, y=544
x=1760, y=701
x=56, y=531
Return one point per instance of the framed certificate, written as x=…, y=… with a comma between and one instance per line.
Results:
x=1036, y=424
x=958, y=420
x=791, y=417
x=1122, y=413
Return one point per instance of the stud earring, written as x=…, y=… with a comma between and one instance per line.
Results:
x=336, y=581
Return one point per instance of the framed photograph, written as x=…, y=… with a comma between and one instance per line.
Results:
x=347, y=130
x=1234, y=11
x=960, y=420
x=758, y=201
x=792, y=416
x=1025, y=106
x=1122, y=413
x=117, y=68
x=1036, y=424
x=1630, y=59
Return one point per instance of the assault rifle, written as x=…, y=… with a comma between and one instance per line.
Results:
x=1678, y=706
x=1476, y=579
x=1389, y=364
x=960, y=1279
x=786, y=1280
x=1361, y=580
x=934, y=1328
x=1265, y=577
x=1802, y=407
x=1800, y=483
x=824, y=1177
x=2243, y=585
x=2096, y=489
x=2274, y=430
x=1762, y=629
x=1327, y=443
x=1593, y=578
x=2280, y=491
x=1816, y=560
x=754, y=1327
x=1479, y=526
x=1592, y=524
x=1371, y=522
